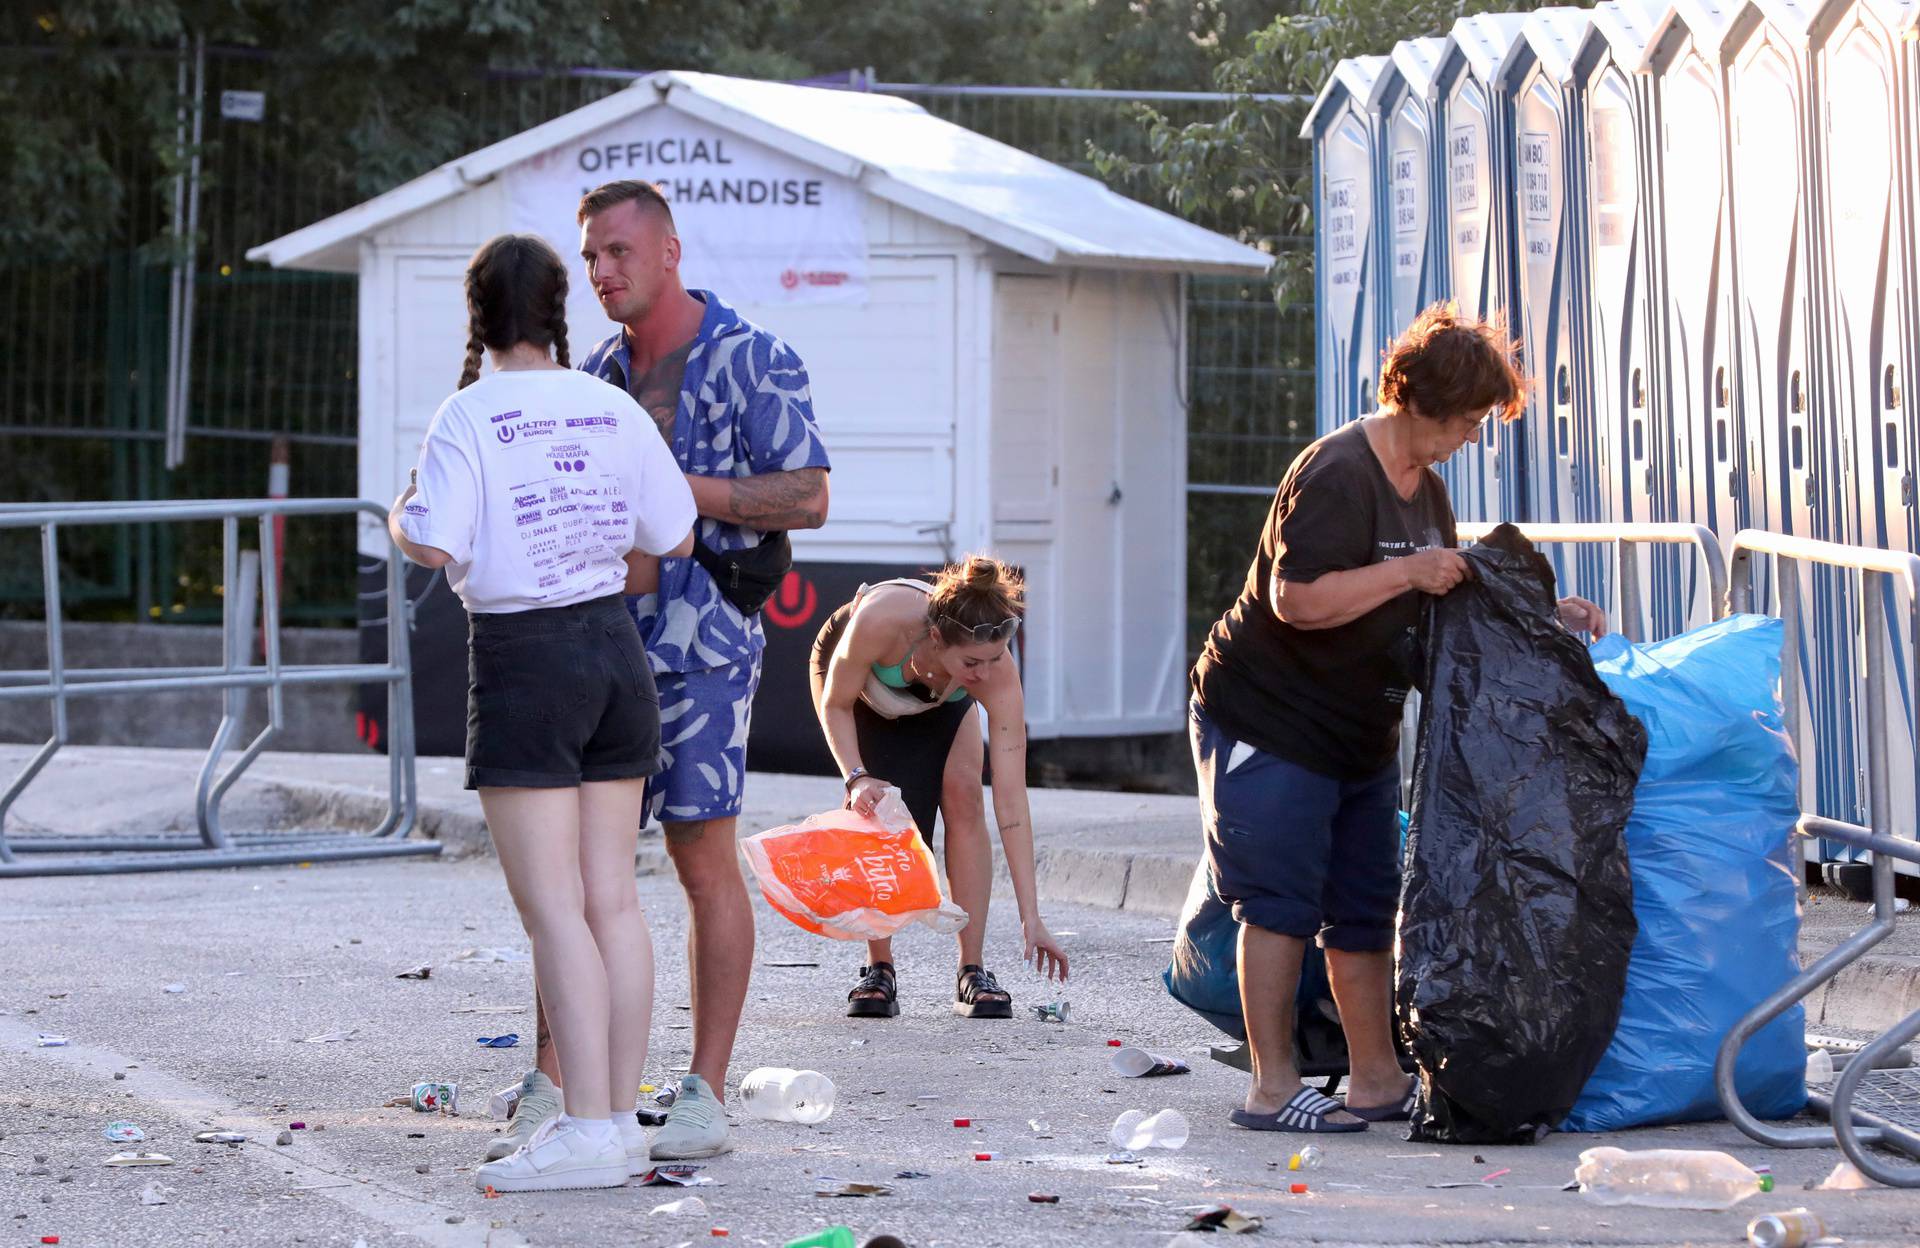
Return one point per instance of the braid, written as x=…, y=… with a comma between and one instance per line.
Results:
x=471, y=373
x=557, y=326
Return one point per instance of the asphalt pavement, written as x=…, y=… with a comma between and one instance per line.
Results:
x=193, y=1002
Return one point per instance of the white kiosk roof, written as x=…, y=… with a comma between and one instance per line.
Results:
x=894, y=149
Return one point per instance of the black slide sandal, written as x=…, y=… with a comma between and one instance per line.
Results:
x=979, y=995
x=877, y=978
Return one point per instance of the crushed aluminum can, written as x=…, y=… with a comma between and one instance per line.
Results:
x=656, y=1115
x=501, y=1104
x=675, y=1176
x=1052, y=1012
x=123, y=1133
x=433, y=1097
x=220, y=1137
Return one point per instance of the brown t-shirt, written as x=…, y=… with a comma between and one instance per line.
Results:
x=1328, y=699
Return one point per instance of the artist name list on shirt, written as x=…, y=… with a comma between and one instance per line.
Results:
x=563, y=501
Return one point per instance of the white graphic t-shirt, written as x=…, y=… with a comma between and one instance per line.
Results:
x=537, y=482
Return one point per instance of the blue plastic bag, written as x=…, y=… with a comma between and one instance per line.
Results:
x=1713, y=885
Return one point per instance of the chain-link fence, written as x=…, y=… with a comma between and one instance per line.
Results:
x=83, y=401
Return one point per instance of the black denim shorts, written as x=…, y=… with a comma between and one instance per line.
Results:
x=558, y=697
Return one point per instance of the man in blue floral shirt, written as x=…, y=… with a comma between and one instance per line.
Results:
x=732, y=401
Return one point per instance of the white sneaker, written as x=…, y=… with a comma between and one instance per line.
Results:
x=558, y=1157
x=696, y=1125
x=633, y=1138
x=539, y=1101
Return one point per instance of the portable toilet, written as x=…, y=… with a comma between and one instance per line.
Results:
x=1628, y=416
x=1346, y=247
x=1545, y=147
x=1866, y=187
x=1767, y=53
x=1408, y=150
x=1694, y=273
x=1472, y=117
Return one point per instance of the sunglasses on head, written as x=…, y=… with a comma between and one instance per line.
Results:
x=980, y=634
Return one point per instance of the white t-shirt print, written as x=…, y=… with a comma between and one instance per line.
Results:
x=537, y=481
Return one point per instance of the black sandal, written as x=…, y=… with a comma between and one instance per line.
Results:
x=875, y=979
x=979, y=995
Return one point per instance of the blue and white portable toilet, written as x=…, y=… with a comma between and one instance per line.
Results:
x=1472, y=116
x=1628, y=418
x=1408, y=152
x=1694, y=260
x=1546, y=147
x=1866, y=188
x=1789, y=423
x=1346, y=247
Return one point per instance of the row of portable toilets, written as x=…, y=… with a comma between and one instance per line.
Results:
x=1700, y=222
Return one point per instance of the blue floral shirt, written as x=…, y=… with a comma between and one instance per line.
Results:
x=745, y=410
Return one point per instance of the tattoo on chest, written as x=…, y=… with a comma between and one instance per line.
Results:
x=659, y=389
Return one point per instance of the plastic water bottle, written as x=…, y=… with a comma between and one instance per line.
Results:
x=1136, y=1129
x=1667, y=1178
x=1308, y=1158
x=778, y=1094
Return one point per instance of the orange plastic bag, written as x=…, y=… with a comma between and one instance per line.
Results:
x=848, y=877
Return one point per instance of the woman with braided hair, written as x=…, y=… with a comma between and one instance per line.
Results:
x=896, y=674
x=537, y=487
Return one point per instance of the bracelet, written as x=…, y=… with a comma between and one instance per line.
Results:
x=855, y=776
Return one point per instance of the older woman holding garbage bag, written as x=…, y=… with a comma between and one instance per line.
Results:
x=896, y=673
x=1297, y=698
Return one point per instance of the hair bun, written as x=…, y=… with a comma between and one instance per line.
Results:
x=982, y=573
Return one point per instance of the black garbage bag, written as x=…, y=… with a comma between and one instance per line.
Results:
x=1516, y=904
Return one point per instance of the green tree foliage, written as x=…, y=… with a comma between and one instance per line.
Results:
x=1248, y=173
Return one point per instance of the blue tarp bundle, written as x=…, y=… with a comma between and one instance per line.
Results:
x=1713, y=885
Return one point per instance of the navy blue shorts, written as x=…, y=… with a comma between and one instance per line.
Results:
x=1296, y=852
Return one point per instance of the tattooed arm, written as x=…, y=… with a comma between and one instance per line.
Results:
x=771, y=502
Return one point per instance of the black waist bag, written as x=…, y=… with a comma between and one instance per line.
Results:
x=747, y=578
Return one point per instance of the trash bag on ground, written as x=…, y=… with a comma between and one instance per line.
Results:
x=1516, y=904
x=1713, y=884
x=850, y=877
x=1204, y=976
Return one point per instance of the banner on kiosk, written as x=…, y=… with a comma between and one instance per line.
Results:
x=756, y=225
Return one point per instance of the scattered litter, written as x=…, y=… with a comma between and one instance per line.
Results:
x=488, y=1009
x=319, y=1187
x=47, y=1040
x=284, y=1138
x=423, y=971
x=1786, y=1230
x=963, y=1122
x=986, y=1156
x=1306, y=1159
x=220, y=1137
x=1446, y=1187
x=138, y=1159
x=507, y=1041
x=435, y=1097
x=1224, y=1218
x=788, y=965
x=676, y=1176
x=155, y=1194
x=1053, y=1012
x=296, y=1126
x=656, y=1116
x=1114, y=1044
x=175, y=988
x=1159, y=940
x=834, y=1187
x=1901, y=905
x=1044, y=1130
x=690, y=1206
x=1133, y=1063
x=1415, y=1156
x=455, y=1219
x=1136, y=1129
x=492, y=955
x=1497, y=1174
x=1668, y=1178
x=913, y=1174
x=123, y=1133
x=1043, y=1198
x=1298, y=1189
x=1819, y=1067
x=331, y=1037
x=1123, y=1157
x=423, y=1168
x=1846, y=1177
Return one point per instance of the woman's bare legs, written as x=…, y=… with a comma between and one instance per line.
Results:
x=969, y=854
x=610, y=814
x=536, y=835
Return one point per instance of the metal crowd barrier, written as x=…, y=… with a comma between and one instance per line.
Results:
x=1852, y=1128
x=1626, y=539
x=215, y=846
